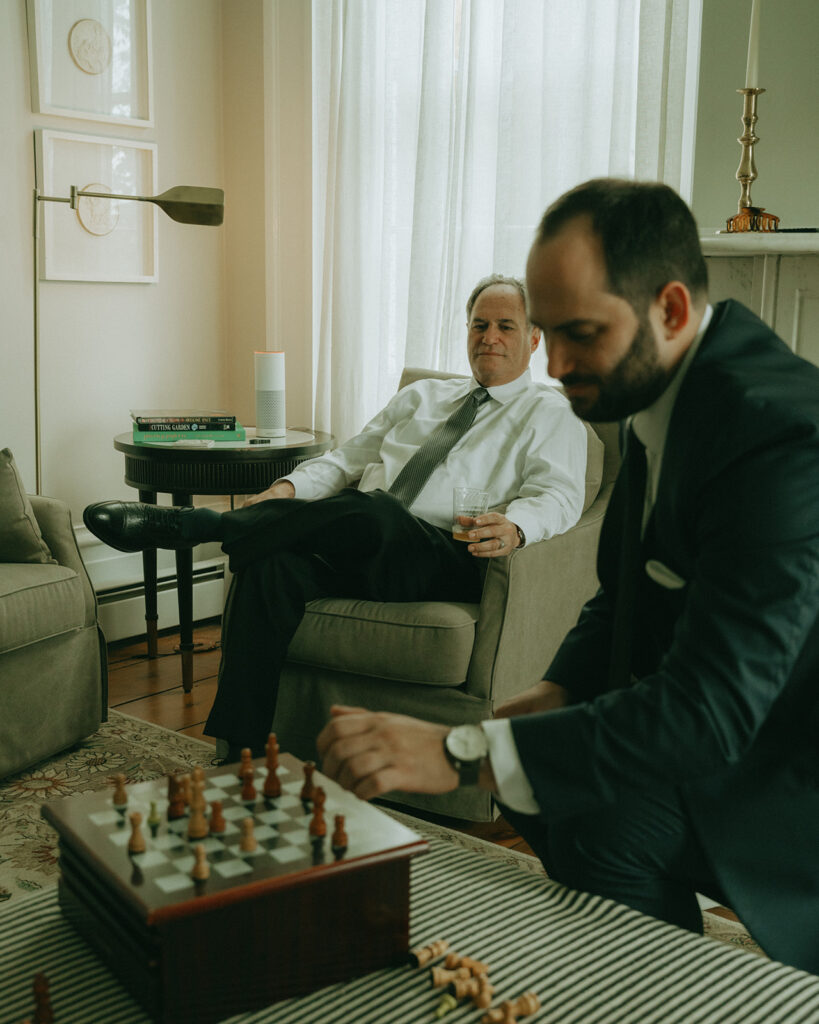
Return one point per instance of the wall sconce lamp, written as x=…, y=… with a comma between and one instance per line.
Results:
x=186, y=204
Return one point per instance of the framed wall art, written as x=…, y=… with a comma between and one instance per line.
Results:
x=103, y=239
x=91, y=59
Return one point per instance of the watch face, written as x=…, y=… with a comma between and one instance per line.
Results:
x=467, y=743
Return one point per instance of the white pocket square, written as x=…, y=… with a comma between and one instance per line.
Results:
x=664, y=576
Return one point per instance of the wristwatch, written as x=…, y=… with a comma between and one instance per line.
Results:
x=466, y=748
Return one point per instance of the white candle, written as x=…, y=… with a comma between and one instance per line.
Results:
x=752, y=70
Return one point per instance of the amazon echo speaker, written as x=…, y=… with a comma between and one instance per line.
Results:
x=270, y=414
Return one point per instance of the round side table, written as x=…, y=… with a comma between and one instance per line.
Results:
x=229, y=467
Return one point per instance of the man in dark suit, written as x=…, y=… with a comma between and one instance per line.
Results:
x=673, y=746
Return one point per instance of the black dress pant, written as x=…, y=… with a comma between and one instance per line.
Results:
x=642, y=851
x=286, y=552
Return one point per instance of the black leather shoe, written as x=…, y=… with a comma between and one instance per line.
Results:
x=135, y=526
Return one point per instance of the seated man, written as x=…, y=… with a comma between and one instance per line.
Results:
x=672, y=747
x=312, y=535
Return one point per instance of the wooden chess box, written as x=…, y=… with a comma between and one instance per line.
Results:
x=286, y=919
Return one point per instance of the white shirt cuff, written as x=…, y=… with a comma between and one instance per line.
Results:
x=513, y=786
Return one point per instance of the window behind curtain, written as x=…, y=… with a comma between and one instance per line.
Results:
x=442, y=130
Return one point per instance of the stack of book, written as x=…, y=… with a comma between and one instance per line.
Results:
x=186, y=425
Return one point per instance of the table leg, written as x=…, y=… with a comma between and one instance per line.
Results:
x=149, y=579
x=184, y=594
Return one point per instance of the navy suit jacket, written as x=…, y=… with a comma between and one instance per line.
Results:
x=725, y=706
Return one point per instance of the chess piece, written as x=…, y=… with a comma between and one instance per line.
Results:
x=509, y=1011
x=246, y=762
x=217, y=819
x=483, y=999
x=201, y=869
x=318, y=826
x=339, y=840
x=136, y=844
x=198, y=826
x=120, y=798
x=153, y=819
x=423, y=954
x=272, y=784
x=198, y=774
x=248, y=843
x=475, y=987
x=43, y=1014
x=475, y=966
x=248, y=789
x=176, y=802
x=198, y=801
x=440, y=976
x=447, y=1003
x=306, y=795
x=185, y=781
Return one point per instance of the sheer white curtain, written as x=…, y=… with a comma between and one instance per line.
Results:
x=442, y=129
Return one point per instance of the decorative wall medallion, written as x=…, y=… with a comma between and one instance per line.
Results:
x=97, y=216
x=90, y=46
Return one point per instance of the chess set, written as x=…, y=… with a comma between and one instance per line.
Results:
x=234, y=888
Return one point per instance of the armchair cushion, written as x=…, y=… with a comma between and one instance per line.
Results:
x=36, y=604
x=20, y=537
x=415, y=641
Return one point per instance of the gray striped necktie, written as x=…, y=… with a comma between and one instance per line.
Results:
x=410, y=481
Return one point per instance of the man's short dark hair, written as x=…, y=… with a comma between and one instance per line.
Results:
x=648, y=234
x=491, y=281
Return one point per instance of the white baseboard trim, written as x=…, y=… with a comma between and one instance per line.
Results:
x=123, y=616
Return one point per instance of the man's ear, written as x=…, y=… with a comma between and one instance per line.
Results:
x=535, y=338
x=675, y=308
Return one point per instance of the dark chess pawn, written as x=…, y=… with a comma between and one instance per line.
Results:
x=318, y=826
x=153, y=820
x=120, y=798
x=306, y=795
x=339, y=840
x=176, y=803
x=218, y=825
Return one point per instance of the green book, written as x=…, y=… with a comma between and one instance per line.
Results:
x=164, y=436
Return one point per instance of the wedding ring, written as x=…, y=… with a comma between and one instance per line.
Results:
x=501, y=543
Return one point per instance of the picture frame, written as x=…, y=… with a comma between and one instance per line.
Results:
x=91, y=59
x=102, y=240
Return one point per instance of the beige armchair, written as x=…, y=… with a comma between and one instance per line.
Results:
x=53, y=664
x=444, y=661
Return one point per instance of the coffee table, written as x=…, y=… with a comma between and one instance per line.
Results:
x=229, y=467
x=590, y=960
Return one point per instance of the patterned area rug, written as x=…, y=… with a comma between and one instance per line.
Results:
x=141, y=751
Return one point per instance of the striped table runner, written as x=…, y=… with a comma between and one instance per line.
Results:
x=590, y=960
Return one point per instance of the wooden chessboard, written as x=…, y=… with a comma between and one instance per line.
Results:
x=281, y=921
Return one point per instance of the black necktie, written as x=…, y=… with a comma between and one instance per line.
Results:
x=632, y=485
x=409, y=482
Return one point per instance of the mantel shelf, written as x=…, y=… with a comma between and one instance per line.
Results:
x=754, y=243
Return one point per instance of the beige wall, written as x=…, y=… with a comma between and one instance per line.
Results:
x=788, y=152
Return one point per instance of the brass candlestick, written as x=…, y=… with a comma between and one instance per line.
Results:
x=749, y=217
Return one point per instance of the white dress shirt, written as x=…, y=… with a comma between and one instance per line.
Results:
x=651, y=427
x=525, y=447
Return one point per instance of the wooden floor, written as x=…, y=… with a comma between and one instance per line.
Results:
x=151, y=689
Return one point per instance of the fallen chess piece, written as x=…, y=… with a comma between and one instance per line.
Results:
x=476, y=987
x=509, y=1011
x=423, y=954
x=441, y=976
x=136, y=844
x=446, y=1004
x=475, y=967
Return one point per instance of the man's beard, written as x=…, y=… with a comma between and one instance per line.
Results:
x=634, y=383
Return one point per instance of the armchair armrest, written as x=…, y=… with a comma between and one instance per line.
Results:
x=54, y=518
x=530, y=601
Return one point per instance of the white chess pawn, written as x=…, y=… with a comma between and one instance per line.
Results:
x=248, y=843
